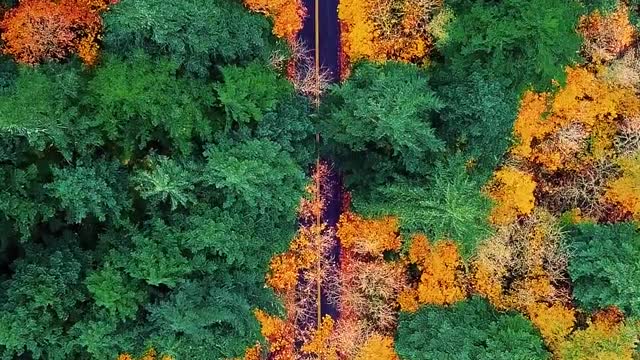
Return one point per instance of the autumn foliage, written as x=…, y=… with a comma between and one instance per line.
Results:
x=512, y=189
x=607, y=35
x=372, y=237
x=150, y=354
x=575, y=157
x=40, y=30
x=287, y=15
x=377, y=347
x=442, y=279
x=382, y=30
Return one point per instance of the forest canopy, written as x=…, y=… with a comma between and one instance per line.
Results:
x=454, y=179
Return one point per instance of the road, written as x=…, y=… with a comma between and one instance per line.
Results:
x=329, y=33
x=329, y=40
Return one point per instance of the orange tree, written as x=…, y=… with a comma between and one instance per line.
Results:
x=39, y=30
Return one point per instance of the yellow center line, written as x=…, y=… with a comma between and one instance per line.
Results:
x=317, y=178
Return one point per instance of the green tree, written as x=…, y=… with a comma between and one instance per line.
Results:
x=140, y=99
x=467, y=330
x=247, y=93
x=521, y=43
x=605, y=266
x=378, y=123
x=477, y=120
x=195, y=34
x=40, y=301
x=113, y=290
x=90, y=190
x=40, y=108
x=448, y=206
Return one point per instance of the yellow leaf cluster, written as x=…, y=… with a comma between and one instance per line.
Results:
x=358, y=29
x=380, y=30
x=368, y=236
x=605, y=338
x=408, y=300
x=512, y=189
x=488, y=283
x=555, y=322
x=320, y=344
x=278, y=333
x=608, y=35
x=377, y=347
x=287, y=15
x=441, y=280
x=625, y=190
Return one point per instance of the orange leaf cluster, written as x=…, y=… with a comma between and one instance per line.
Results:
x=253, y=353
x=580, y=142
x=321, y=344
x=284, y=268
x=288, y=15
x=380, y=30
x=378, y=347
x=512, y=189
x=554, y=132
x=369, y=286
x=442, y=279
x=528, y=256
x=372, y=237
x=607, y=36
x=368, y=292
x=555, y=322
x=279, y=335
x=40, y=30
x=312, y=205
x=625, y=190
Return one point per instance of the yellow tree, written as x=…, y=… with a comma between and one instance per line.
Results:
x=512, y=190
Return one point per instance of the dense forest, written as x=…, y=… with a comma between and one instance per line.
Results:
x=184, y=181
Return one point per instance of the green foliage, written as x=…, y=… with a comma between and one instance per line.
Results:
x=379, y=122
x=634, y=13
x=521, y=43
x=89, y=190
x=164, y=179
x=605, y=266
x=478, y=120
x=41, y=106
x=38, y=303
x=23, y=201
x=601, y=5
x=141, y=99
x=290, y=126
x=101, y=336
x=204, y=320
x=255, y=174
x=249, y=92
x=194, y=33
x=116, y=292
x=467, y=330
x=449, y=206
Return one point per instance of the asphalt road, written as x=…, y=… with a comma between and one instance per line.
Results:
x=329, y=35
